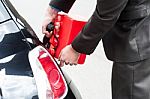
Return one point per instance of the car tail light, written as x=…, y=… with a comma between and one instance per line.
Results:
x=52, y=74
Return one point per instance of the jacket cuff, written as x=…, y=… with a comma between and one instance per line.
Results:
x=63, y=5
x=58, y=10
x=79, y=50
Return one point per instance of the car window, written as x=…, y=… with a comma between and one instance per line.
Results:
x=3, y=13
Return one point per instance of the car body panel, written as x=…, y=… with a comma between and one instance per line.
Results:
x=17, y=40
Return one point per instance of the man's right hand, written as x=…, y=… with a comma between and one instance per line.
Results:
x=50, y=16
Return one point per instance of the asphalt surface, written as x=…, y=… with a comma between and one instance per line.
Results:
x=93, y=79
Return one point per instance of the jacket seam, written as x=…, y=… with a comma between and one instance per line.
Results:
x=136, y=41
x=133, y=82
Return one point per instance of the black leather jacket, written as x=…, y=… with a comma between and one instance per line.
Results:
x=123, y=25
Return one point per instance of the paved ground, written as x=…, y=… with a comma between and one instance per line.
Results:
x=94, y=77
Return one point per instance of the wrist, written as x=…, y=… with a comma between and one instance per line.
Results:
x=74, y=49
x=55, y=8
x=51, y=13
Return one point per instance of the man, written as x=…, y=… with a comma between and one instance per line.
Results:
x=124, y=27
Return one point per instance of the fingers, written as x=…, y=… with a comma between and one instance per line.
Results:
x=50, y=16
x=57, y=26
x=47, y=21
x=47, y=34
x=62, y=62
x=57, y=23
x=58, y=19
x=44, y=25
x=68, y=57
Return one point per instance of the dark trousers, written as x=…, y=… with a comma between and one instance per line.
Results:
x=131, y=80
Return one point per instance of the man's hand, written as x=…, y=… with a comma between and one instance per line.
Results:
x=68, y=56
x=50, y=16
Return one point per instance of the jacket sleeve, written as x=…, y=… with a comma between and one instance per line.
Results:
x=63, y=5
x=103, y=19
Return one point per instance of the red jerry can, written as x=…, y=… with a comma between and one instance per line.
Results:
x=69, y=29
